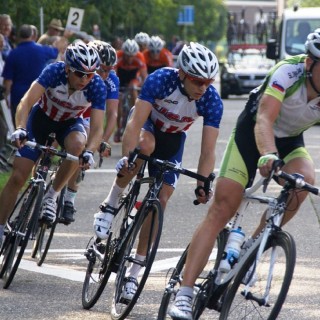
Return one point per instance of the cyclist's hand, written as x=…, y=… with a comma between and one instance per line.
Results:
x=265, y=163
x=18, y=136
x=86, y=159
x=105, y=149
x=202, y=197
x=121, y=164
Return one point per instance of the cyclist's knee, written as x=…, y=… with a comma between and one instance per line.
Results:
x=17, y=179
x=147, y=143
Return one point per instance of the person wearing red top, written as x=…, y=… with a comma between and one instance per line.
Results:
x=156, y=55
x=131, y=69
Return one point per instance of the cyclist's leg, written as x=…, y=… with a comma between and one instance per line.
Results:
x=297, y=161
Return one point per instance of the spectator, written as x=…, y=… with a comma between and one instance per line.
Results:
x=54, y=29
x=24, y=64
x=3, y=125
x=5, y=30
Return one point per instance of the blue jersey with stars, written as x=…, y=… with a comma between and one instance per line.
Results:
x=172, y=110
x=56, y=102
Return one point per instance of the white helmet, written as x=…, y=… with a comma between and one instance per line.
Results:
x=198, y=61
x=155, y=44
x=130, y=47
x=142, y=38
x=312, y=44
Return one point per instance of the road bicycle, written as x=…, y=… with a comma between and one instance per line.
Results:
x=23, y=221
x=45, y=231
x=257, y=284
x=116, y=253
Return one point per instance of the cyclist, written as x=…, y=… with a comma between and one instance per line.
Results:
x=156, y=55
x=132, y=71
x=169, y=103
x=142, y=40
x=54, y=103
x=270, y=127
x=108, y=59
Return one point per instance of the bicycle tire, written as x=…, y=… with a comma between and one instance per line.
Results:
x=45, y=233
x=97, y=274
x=176, y=276
x=236, y=303
x=10, y=228
x=120, y=309
x=24, y=231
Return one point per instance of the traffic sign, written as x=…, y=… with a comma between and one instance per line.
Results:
x=186, y=16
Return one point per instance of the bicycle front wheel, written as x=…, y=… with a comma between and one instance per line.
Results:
x=24, y=225
x=268, y=281
x=149, y=219
x=45, y=233
x=176, y=276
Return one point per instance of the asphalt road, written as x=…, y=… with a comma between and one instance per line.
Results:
x=53, y=291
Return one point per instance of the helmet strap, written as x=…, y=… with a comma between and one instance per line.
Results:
x=309, y=76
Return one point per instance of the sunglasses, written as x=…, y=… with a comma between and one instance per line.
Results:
x=199, y=82
x=82, y=75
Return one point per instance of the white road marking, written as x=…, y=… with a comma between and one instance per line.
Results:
x=76, y=275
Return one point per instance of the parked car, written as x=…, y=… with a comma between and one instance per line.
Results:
x=243, y=71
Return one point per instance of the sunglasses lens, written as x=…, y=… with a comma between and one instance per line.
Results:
x=82, y=75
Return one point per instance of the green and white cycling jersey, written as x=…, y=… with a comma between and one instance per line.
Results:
x=287, y=82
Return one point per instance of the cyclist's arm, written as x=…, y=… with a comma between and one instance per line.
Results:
x=207, y=152
x=143, y=74
x=268, y=111
x=132, y=132
x=30, y=98
x=96, y=129
x=111, y=118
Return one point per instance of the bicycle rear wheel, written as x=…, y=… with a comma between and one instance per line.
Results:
x=176, y=275
x=22, y=231
x=277, y=261
x=150, y=213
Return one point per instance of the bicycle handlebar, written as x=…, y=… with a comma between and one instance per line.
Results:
x=52, y=150
x=167, y=165
x=298, y=182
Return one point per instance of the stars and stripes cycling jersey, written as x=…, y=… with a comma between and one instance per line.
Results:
x=172, y=110
x=56, y=102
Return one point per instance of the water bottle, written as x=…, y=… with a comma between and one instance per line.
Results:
x=232, y=250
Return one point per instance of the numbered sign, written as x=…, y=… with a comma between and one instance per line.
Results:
x=75, y=19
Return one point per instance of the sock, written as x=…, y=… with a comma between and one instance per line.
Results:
x=185, y=291
x=70, y=195
x=135, y=268
x=113, y=196
x=51, y=194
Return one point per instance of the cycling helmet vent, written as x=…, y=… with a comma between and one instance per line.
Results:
x=142, y=38
x=130, y=47
x=107, y=53
x=82, y=57
x=312, y=44
x=198, y=61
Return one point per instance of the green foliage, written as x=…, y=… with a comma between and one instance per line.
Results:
x=303, y=3
x=126, y=17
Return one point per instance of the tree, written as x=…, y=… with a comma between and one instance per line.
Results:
x=126, y=17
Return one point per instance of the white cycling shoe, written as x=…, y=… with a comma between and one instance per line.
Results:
x=181, y=308
x=103, y=221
